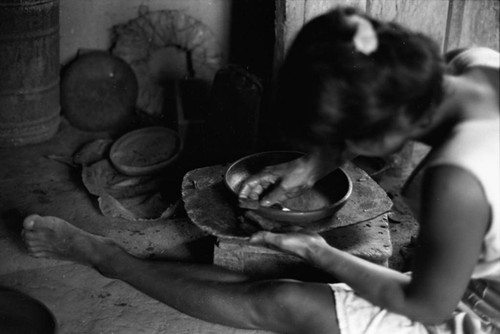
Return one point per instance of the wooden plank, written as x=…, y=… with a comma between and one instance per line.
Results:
x=454, y=24
x=480, y=25
x=289, y=20
x=426, y=16
x=294, y=19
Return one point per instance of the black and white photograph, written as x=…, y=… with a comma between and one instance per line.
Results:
x=249, y=167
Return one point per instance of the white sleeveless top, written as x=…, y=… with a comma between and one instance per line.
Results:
x=475, y=147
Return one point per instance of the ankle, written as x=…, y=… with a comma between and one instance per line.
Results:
x=108, y=259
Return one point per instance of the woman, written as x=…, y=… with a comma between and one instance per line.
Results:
x=353, y=85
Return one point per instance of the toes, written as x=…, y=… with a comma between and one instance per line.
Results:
x=33, y=249
x=31, y=245
x=40, y=254
x=29, y=236
x=37, y=250
x=29, y=222
x=32, y=239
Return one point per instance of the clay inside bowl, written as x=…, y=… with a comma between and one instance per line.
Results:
x=322, y=201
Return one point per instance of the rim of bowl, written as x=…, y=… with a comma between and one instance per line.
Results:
x=293, y=212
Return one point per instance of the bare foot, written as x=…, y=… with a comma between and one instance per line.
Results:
x=52, y=237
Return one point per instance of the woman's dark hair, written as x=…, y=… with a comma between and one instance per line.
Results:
x=328, y=91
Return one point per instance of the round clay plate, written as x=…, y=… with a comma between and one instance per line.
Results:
x=145, y=151
x=99, y=92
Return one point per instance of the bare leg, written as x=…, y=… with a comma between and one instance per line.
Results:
x=52, y=237
x=206, y=292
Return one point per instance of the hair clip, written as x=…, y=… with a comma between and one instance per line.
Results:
x=365, y=39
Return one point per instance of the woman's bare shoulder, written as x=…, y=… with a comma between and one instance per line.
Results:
x=480, y=65
x=462, y=59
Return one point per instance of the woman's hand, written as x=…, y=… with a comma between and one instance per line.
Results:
x=289, y=179
x=302, y=244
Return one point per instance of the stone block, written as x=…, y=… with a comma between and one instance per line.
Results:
x=369, y=240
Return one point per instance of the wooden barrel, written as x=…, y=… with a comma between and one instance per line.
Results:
x=29, y=71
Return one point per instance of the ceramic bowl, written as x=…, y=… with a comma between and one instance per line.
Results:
x=322, y=201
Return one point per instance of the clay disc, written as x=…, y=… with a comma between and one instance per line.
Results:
x=145, y=151
x=98, y=92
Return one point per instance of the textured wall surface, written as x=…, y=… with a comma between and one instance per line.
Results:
x=452, y=23
x=87, y=24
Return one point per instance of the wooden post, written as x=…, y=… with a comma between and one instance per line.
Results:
x=473, y=23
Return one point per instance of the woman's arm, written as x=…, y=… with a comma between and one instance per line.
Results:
x=455, y=216
x=454, y=221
